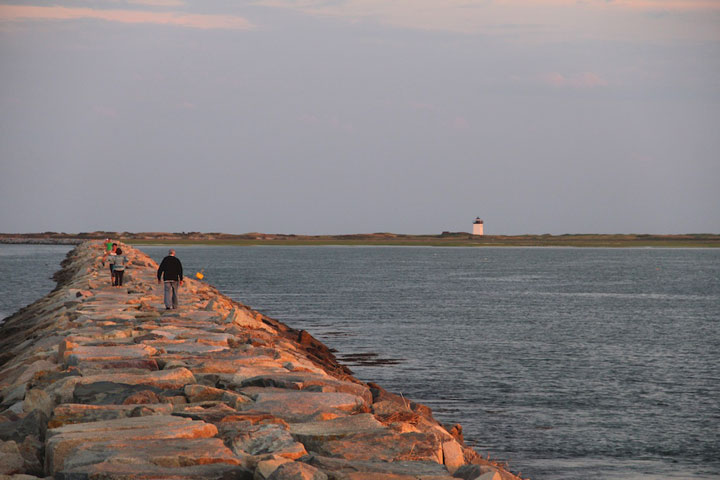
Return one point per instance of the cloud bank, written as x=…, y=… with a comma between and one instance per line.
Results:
x=203, y=21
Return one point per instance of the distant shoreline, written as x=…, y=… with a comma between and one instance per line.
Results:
x=446, y=239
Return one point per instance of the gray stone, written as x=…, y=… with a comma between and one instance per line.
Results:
x=122, y=468
x=269, y=439
x=265, y=468
x=32, y=450
x=211, y=411
x=308, y=381
x=11, y=460
x=474, y=472
x=14, y=394
x=297, y=406
x=107, y=393
x=384, y=446
x=75, y=354
x=189, y=347
x=78, y=413
x=32, y=424
x=310, y=432
x=66, y=441
x=340, y=465
x=490, y=476
x=246, y=319
x=201, y=393
x=453, y=456
x=163, y=379
x=37, y=399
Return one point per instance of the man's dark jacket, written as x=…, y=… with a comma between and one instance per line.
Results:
x=171, y=267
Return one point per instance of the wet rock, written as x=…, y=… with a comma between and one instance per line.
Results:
x=297, y=471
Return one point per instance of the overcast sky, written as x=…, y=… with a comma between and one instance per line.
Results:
x=349, y=116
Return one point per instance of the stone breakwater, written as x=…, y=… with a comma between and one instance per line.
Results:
x=99, y=382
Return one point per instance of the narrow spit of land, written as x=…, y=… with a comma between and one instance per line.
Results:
x=102, y=382
x=446, y=239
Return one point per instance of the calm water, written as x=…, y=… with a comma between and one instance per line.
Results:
x=569, y=363
x=26, y=274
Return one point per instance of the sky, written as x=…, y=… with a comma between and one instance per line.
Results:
x=360, y=116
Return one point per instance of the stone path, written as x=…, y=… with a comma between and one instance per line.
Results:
x=99, y=382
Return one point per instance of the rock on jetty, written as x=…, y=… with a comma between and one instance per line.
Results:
x=101, y=382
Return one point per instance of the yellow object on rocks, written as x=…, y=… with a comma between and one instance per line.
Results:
x=199, y=275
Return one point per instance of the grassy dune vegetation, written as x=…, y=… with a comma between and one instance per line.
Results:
x=446, y=239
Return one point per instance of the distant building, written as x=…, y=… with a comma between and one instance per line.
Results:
x=478, y=226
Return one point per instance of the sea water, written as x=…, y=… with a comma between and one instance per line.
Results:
x=26, y=274
x=567, y=363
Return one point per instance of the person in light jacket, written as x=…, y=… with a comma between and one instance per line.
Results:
x=118, y=262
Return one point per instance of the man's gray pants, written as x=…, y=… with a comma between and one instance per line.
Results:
x=171, y=293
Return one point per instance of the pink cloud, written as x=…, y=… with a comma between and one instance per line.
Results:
x=678, y=5
x=158, y=3
x=460, y=123
x=579, y=80
x=22, y=12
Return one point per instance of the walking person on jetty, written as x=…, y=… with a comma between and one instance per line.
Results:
x=110, y=252
x=118, y=264
x=171, y=272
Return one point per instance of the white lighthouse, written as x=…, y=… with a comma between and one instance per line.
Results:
x=478, y=226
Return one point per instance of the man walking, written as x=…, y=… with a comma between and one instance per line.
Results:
x=171, y=272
